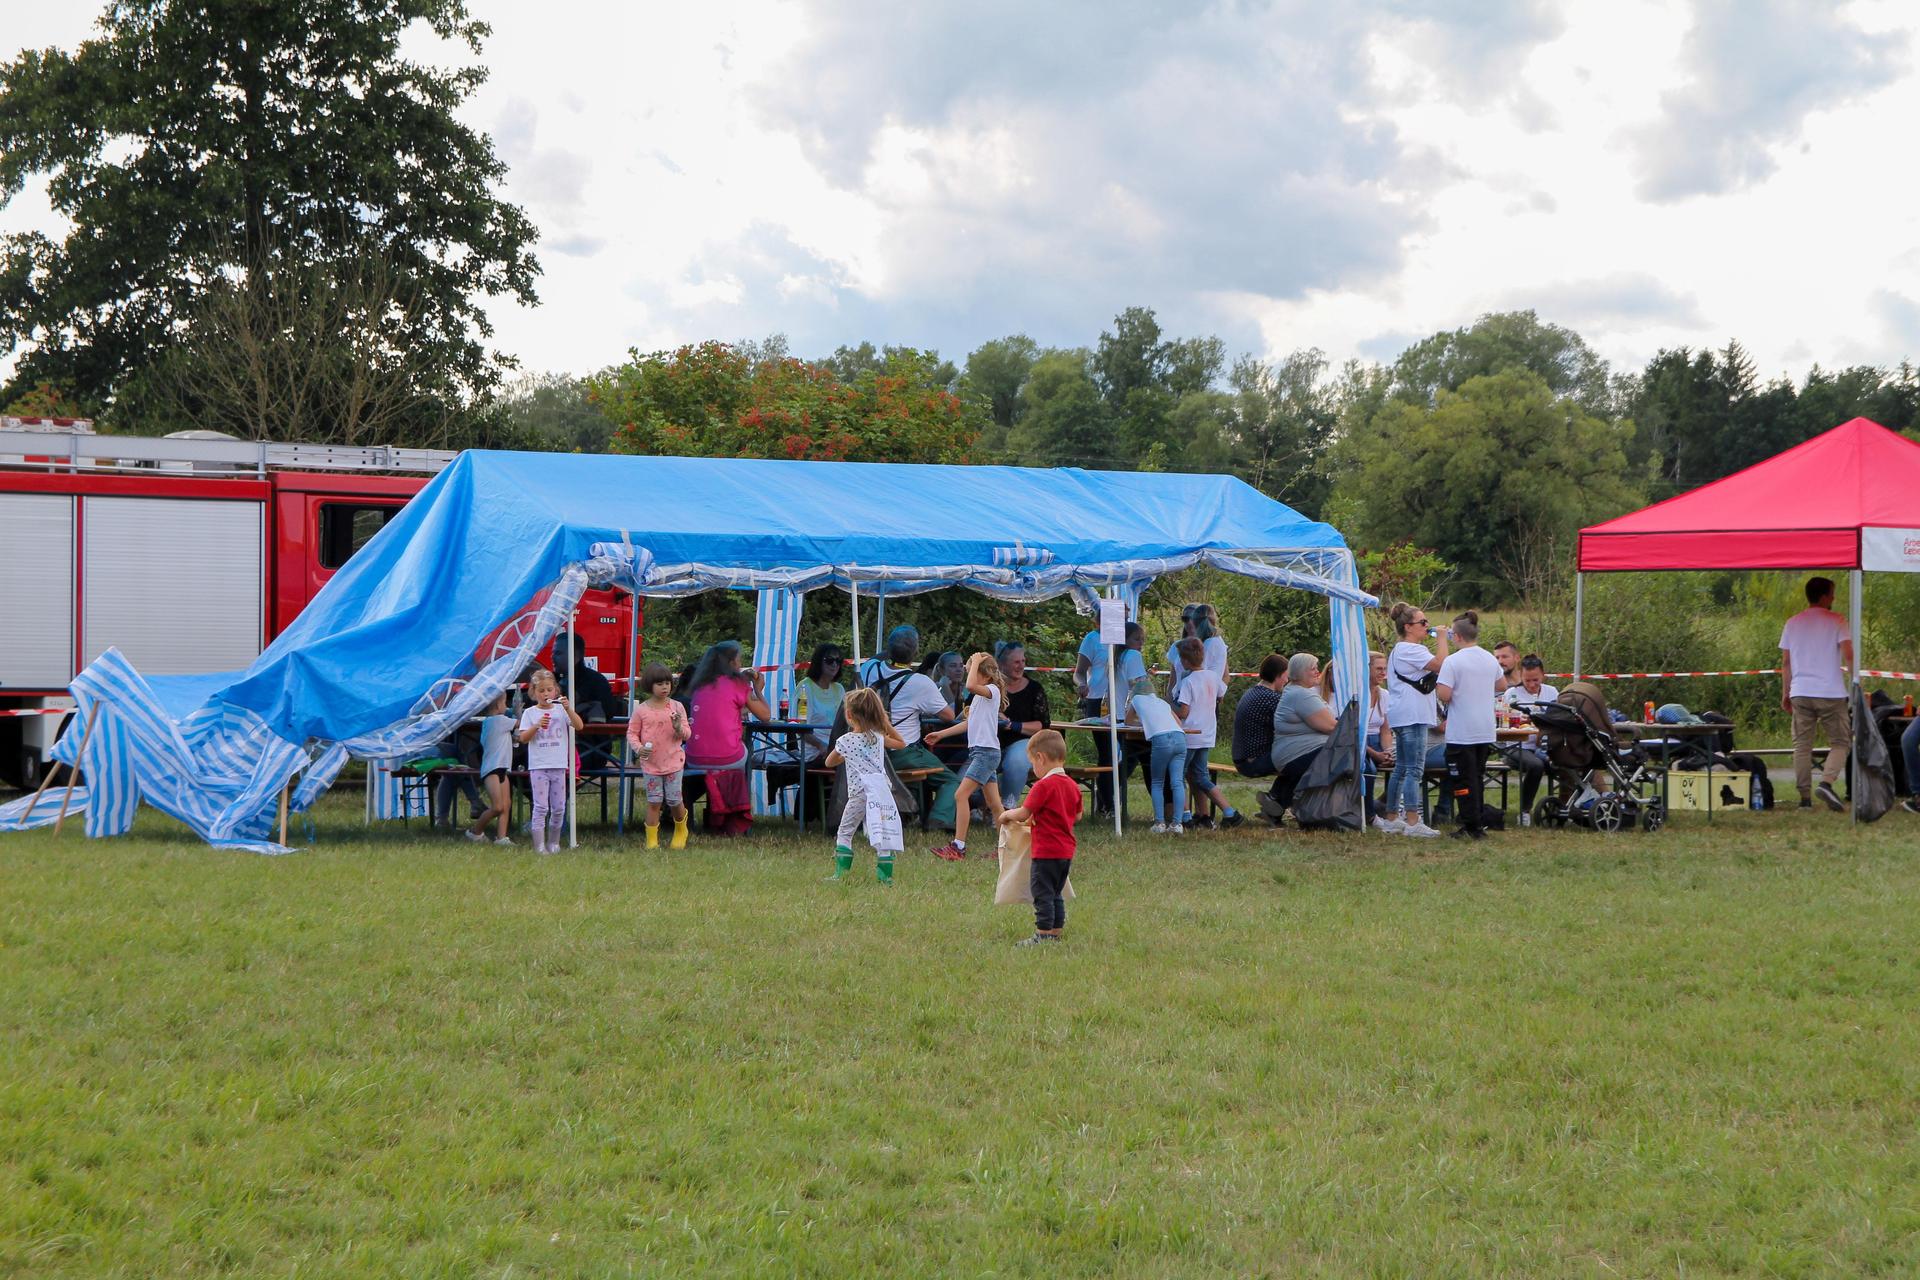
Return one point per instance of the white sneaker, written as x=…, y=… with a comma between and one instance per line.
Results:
x=1159, y=828
x=1392, y=826
x=501, y=841
x=1177, y=830
x=1421, y=830
x=474, y=836
x=1526, y=819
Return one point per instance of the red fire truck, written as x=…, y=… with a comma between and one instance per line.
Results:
x=189, y=553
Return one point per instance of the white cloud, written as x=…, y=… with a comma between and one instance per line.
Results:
x=1287, y=174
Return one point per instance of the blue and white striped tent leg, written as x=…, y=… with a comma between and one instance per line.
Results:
x=1350, y=664
x=1131, y=593
x=392, y=798
x=776, y=642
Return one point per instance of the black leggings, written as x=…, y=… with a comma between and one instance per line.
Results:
x=1049, y=878
x=1467, y=780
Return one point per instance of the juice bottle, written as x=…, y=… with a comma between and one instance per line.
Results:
x=1649, y=711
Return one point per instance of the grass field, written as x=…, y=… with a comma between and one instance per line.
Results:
x=1691, y=1054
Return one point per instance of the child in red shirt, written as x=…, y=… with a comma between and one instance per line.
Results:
x=1051, y=807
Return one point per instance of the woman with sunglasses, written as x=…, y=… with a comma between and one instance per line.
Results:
x=1412, y=709
x=820, y=694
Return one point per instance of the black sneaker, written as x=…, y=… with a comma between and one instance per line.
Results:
x=1830, y=797
x=1232, y=820
x=1805, y=803
x=1038, y=939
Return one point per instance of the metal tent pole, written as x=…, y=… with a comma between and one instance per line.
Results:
x=1113, y=735
x=1579, y=620
x=879, y=616
x=1855, y=581
x=573, y=773
x=853, y=597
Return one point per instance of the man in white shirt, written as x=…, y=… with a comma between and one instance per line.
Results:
x=910, y=696
x=1527, y=687
x=1470, y=681
x=1816, y=652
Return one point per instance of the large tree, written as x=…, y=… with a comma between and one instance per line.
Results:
x=197, y=140
x=1488, y=476
x=1496, y=343
x=712, y=401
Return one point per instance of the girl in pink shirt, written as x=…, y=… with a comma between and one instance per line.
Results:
x=656, y=733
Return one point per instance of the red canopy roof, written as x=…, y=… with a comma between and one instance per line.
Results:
x=1802, y=509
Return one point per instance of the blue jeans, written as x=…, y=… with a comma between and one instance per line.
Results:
x=1409, y=758
x=1166, y=776
x=1910, y=754
x=1014, y=772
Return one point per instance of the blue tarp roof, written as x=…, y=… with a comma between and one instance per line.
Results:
x=496, y=528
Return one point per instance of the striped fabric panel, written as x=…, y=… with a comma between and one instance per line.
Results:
x=776, y=643
x=391, y=798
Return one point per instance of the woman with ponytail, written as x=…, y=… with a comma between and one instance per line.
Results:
x=1411, y=712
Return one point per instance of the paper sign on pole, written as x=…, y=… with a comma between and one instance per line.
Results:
x=1113, y=622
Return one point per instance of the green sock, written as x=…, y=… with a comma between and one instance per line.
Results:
x=842, y=861
x=883, y=869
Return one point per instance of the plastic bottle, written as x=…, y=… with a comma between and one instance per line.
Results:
x=1906, y=707
x=1649, y=711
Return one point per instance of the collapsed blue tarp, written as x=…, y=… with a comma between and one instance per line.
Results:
x=445, y=606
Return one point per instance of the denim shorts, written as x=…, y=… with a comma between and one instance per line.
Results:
x=983, y=765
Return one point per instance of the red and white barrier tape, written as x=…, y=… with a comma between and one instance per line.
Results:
x=38, y=711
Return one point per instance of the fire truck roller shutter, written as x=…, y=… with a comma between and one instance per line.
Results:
x=36, y=590
x=174, y=583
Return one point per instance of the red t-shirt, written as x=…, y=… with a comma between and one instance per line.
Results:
x=1053, y=806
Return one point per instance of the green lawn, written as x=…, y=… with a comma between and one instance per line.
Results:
x=1696, y=1053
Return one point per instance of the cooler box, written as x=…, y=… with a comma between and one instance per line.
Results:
x=1700, y=791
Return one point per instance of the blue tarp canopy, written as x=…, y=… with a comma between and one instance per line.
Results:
x=447, y=603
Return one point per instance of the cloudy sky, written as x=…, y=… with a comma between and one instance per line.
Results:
x=1348, y=176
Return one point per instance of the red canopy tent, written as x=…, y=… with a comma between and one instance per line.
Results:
x=1846, y=499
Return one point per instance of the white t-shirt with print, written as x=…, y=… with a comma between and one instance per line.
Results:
x=1811, y=640
x=1471, y=673
x=547, y=749
x=1201, y=692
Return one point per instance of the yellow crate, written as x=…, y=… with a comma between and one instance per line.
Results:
x=1698, y=790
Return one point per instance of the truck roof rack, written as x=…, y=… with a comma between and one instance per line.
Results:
x=74, y=447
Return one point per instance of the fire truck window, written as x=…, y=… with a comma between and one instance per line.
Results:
x=345, y=529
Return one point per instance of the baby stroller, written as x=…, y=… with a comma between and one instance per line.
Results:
x=1579, y=741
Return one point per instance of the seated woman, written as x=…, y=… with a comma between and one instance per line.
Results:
x=1302, y=723
x=821, y=693
x=719, y=693
x=1027, y=713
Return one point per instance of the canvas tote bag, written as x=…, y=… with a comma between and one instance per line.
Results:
x=1016, y=867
